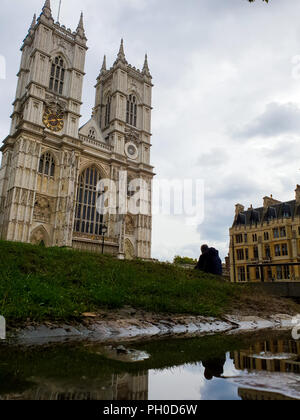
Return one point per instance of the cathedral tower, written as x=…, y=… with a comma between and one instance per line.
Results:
x=123, y=107
x=40, y=156
x=50, y=168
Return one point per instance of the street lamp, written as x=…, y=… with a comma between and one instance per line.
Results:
x=103, y=232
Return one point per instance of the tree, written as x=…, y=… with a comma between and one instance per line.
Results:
x=184, y=260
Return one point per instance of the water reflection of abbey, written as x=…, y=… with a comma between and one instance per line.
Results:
x=126, y=387
x=254, y=358
x=258, y=395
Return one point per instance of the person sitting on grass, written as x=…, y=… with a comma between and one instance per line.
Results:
x=209, y=261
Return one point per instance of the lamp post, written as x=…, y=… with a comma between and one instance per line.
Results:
x=103, y=232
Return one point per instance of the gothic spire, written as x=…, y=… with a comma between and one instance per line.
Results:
x=47, y=9
x=121, y=54
x=30, y=30
x=33, y=23
x=80, y=27
x=103, y=68
x=146, y=70
x=80, y=24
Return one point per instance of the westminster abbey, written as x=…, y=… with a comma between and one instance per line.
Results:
x=51, y=168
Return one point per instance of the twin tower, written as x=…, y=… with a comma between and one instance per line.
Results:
x=51, y=168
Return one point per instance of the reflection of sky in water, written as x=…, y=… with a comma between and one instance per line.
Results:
x=187, y=382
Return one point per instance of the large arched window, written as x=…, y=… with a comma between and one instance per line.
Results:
x=107, y=111
x=131, y=114
x=57, y=75
x=47, y=165
x=87, y=219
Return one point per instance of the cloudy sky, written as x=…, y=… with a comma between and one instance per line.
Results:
x=226, y=97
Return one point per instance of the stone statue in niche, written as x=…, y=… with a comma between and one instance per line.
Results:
x=42, y=210
x=132, y=136
x=129, y=225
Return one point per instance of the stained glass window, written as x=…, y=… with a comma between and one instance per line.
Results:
x=57, y=75
x=87, y=218
x=107, y=111
x=47, y=165
x=131, y=113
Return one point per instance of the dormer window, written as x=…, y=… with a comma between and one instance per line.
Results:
x=241, y=219
x=57, y=75
x=286, y=211
x=254, y=218
x=271, y=214
x=131, y=112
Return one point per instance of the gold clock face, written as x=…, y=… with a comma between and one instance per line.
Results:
x=53, y=120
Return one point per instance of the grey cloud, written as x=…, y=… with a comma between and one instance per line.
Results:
x=235, y=188
x=215, y=157
x=276, y=120
x=284, y=152
x=216, y=229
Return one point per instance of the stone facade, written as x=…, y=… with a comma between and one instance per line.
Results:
x=48, y=161
x=265, y=242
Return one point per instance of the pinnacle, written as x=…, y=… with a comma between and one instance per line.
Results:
x=80, y=24
x=47, y=9
x=121, y=54
x=146, y=70
x=121, y=50
x=33, y=22
x=80, y=27
x=103, y=68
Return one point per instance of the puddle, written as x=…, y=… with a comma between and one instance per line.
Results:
x=252, y=366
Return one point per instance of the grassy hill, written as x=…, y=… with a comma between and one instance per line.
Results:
x=39, y=284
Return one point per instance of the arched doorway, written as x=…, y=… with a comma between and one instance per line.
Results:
x=40, y=237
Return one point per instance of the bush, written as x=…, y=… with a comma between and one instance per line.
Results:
x=184, y=260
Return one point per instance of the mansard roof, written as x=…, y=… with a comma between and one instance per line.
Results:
x=279, y=211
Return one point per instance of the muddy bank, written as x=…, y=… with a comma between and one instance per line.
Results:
x=129, y=325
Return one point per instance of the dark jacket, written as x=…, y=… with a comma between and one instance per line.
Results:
x=210, y=262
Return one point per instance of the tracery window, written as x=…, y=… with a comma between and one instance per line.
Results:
x=92, y=133
x=131, y=112
x=47, y=165
x=57, y=75
x=87, y=218
x=107, y=111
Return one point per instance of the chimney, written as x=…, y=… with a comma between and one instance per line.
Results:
x=270, y=201
x=239, y=208
x=297, y=191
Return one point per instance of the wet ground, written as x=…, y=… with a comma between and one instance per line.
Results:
x=252, y=366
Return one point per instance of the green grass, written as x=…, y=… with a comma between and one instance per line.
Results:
x=39, y=284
